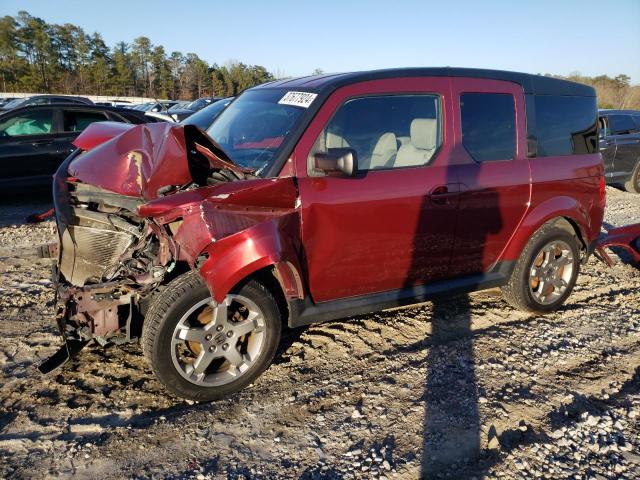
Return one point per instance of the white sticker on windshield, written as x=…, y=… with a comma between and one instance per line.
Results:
x=298, y=99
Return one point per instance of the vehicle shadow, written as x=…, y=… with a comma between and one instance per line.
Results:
x=451, y=428
x=16, y=209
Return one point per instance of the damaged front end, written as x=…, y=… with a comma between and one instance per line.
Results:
x=108, y=259
x=130, y=206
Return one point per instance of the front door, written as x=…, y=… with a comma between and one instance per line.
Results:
x=28, y=151
x=390, y=227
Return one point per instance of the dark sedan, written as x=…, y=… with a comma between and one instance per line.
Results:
x=620, y=147
x=34, y=140
x=44, y=100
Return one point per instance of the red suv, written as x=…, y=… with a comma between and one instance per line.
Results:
x=318, y=198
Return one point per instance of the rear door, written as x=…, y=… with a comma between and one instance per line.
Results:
x=626, y=135
x=389, y=228
x=74, y=120
x=27, y=146
x=493, y=171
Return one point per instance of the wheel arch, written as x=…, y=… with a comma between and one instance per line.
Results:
x=564, y=211
x=264, y=253
x=273, y=279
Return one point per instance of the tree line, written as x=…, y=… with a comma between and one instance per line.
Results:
x=36, y=56
x=614, y=92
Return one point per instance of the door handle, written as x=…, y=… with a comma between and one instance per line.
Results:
x=38, y=143
x=442, y=194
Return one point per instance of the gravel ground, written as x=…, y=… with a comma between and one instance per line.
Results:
x=460, y=388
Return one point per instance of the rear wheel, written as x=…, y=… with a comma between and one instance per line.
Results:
x=203, y=350
x=546, y=271
x=633, y=185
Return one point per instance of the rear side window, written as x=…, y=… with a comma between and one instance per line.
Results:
x=488, y=125
x=32, y=123
x=76, y=120
x=565, y=125
x=622, y=124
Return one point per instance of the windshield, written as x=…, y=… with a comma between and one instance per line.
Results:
x=205, y=117
x=178, y=106
x=253, y=127
x=198, y=104
x=14, y=103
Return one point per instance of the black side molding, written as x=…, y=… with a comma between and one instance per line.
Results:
x=305, y=312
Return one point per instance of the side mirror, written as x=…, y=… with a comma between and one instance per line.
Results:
x=337, y=160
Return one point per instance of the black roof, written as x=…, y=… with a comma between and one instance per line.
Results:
x=535, y=84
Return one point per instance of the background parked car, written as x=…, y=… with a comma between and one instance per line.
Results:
x=5, y=100
x=115, y=103
x=179, y=114
x=205, y=117
x=45, y=100
x=180, y=105
x=34, y=140
x=161, y=106
x=620, y=147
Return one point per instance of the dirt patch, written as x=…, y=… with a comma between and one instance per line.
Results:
x=454, y=389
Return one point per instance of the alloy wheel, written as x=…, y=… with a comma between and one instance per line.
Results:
x=551, y=272
x=213, y=343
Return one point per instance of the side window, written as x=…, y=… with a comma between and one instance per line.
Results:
x=566, y=125
x=488, y=125
x=622, y=124
x=78, y=120
x=32, y=123
x=387, y=131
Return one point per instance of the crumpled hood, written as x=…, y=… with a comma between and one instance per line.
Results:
x=139, y=160
x=132, y=160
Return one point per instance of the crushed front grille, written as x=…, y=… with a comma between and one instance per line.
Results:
x=89, y=252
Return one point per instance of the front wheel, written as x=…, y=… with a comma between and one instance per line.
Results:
x=203, y=350
x=546, y=271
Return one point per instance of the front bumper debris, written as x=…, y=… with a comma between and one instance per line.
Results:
x=626, y=238
x=65, y=353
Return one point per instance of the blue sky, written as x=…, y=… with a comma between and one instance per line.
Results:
x=295, y=37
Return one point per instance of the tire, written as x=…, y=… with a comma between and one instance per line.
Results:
x=528, y=289
x=633, y=185
x=183, y=331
